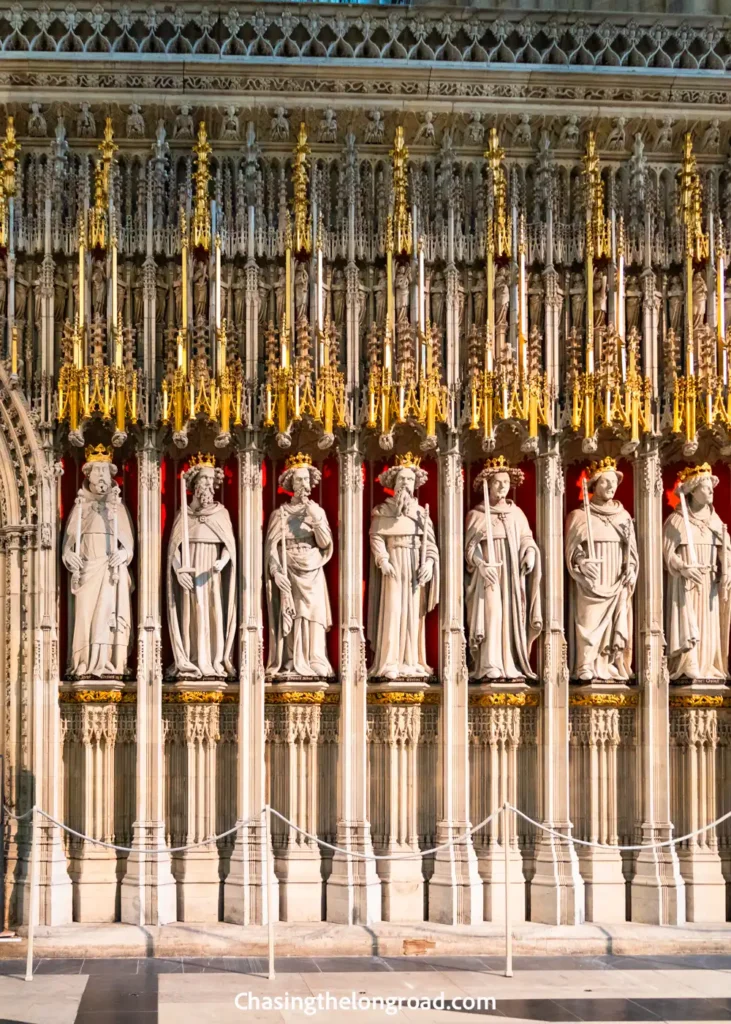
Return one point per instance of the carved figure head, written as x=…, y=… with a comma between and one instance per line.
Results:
x=300, y=477
x=500, y=477
x=698, y=484
x=99, y=470
x=603, y=479
x=405, y=476
x=203, y=478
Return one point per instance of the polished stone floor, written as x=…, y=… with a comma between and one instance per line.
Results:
x=199, y=991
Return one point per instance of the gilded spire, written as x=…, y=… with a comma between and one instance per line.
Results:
x=302, y=236
x=99, y=215
x=401, y=217
x=201, y=177
x=598, y=233
x=10, y=147
x=498, y=234
x=691, y=204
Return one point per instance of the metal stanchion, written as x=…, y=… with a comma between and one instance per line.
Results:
x=269, y=855
x=508, y=921
x=33, y=900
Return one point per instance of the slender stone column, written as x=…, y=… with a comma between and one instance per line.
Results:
x=191, y=747
x=455, y=888
x=557, y=889
x=148, y=888
x=293, y=766
x=693, y=752
x=495, y=739
x=245, y=896
x=89, y=746
x=594, y=736
x=394, y=737
x=658, y=895
x=353, y=888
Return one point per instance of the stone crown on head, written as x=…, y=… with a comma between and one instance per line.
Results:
x=408, y=461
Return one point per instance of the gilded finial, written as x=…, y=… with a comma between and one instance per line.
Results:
x=598, y=231
x=10, y=147
x=99, y=214
x=691, y=204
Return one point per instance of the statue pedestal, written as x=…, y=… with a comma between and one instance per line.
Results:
x=93, y=871
x=394, y=723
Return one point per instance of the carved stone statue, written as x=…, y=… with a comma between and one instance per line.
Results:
x=376, y=127
x=697, y=554
x=97, y=549
x=602, y=559
x=503, y=580
x=402, y=283
x=600, y=299
x=438, y=293
x=577, y=293
x=230, y=125
x=135, y=122
x=98, y=288
x=328, y=127
x=569, y=136
x=476, y=129
x=201, y=579
x=427, y=128
x=298, y=545
x=337, y=296
x=404, y=577
x=280, y=290
x=700, y=300
x=536, y=293
x=616, y=138
x=60, y=294
x=183, y=127
x=22, y=285
x=523, y=136
x=502, y=299
x=239, y=293
x=85, y=123
x=664, y=140
x=379, y=292
x=37, y=127
x=633, y=295
x=279, y=126
x=478, y=300
x=301, y=291
x=200, y=288
x=675, y=302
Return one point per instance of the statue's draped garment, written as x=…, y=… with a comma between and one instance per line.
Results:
x=397, y=606
x=697, y=615
x=600, y=614
x=298, y=625
x=203, y=622
x=503, y=620
x=101, y=608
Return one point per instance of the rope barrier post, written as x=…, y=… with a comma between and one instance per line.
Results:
x=33, y=895
x=508, y=919
x=269, y=855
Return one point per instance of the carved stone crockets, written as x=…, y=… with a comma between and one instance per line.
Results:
x=97, y=549
x=404, y=578
x=503, y=579
x=602, y=560
x=696, y=552
x=201, y=578
x=298, y=545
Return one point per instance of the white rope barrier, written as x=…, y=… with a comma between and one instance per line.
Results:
x=612, y=846
x=264, y=819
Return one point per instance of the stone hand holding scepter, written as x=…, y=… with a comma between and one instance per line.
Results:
x=590, y=564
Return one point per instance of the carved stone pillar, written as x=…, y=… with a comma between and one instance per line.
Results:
x=393, y=731
x=722, y=775
x=89, y=764
x=693, y=751
x=658, y=895
x=148, y=887
x=455, y=888
x=594, y=739
x=191, y=740
x=293, y=772
x=557, y=889
x=494, y=743
x=245, y=897
x=353, y=888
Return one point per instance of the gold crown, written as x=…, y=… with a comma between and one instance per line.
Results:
x=408, y=461
x=298, y=461
x=692, y=472
x=606, y=465
x=498, y=465
x=201, y=461
x=100, y=453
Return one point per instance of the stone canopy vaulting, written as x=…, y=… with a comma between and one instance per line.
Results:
x=365, y=451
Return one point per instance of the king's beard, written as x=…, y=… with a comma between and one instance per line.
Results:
x=403, y=501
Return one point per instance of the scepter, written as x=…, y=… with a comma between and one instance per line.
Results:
x=589, y=535
x=491, y=562
x=422, y=559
